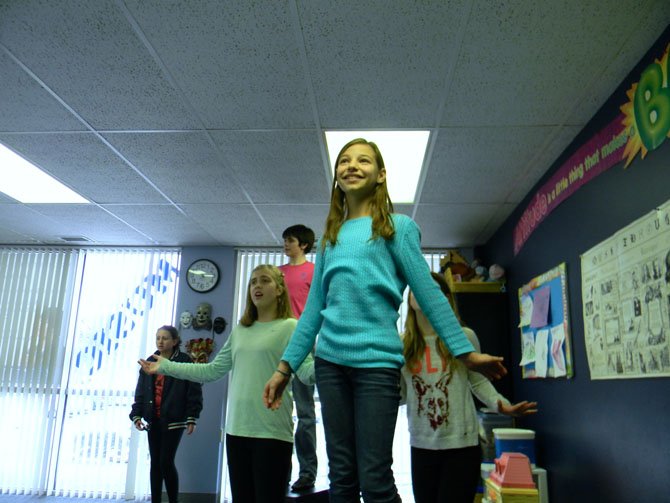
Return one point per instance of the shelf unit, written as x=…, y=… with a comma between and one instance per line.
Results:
x=473, y=286
x=483, y=307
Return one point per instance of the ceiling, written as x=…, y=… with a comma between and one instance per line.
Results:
x=201, y=122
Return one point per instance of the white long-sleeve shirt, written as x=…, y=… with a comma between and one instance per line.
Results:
x=441, y=412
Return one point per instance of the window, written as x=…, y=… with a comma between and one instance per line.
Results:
x=74, y=323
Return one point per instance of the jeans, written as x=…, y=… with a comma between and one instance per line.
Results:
x=359, y=407
x=305, y=433
x=163, y=444
x=445, y=475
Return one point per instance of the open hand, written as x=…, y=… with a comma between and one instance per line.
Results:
x=150, y=367
x=190, y=428
x=524, y=408
x=490, y=366
x=274, y=390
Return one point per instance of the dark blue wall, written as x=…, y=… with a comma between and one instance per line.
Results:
x=606, y=440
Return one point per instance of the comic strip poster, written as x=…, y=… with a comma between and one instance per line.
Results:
x=626, y=300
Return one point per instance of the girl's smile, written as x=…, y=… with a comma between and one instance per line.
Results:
x=357, y=171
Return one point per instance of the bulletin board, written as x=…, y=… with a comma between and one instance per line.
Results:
x=545, y=328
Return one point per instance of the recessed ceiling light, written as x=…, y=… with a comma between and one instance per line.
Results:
x=403, y=153
x=26, y=183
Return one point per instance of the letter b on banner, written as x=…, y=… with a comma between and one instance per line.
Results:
x=652, y=107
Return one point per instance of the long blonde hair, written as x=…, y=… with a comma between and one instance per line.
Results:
x=283, y=303
x=414, y=344
x=381, y=206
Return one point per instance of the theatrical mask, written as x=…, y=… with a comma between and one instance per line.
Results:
x=203, y=317
x=185, y=319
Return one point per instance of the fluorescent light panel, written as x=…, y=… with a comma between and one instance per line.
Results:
x=26, y=183
x=403, y=153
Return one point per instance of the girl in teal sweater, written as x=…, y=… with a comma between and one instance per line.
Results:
x=259, y=442
x=367, y=257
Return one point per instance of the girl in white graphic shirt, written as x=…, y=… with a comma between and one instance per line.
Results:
x=441, y=412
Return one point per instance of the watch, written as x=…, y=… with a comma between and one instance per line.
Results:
x=202, y=275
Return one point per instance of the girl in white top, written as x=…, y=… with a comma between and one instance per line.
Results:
x=441, y=412
x=259, y=442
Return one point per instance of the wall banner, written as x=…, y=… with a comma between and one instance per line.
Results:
x=602, y=152
x=643, y=125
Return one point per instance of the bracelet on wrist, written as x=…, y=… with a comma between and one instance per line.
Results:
x=282, y=372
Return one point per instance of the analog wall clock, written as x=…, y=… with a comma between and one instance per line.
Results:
x=202, y=275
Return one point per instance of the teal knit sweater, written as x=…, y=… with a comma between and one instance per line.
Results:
x=356, y=293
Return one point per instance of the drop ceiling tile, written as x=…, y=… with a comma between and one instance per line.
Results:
x=85, y=164
x=255, y=79
x=231, y=224
x=531, y=63
x=26, y=106
x=92, y=222
x=5, y=199
x=164, y=224
x=380, y=65
x=276, y=166
x=281, y=216
x=472, y=165
x=648, y=26
x=453, y=225
x=77, y=47
x=498, y=218
x=541, y=161
x=33, y=225
x=184, y=166
x=8, y=237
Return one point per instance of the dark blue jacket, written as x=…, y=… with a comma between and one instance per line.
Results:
x=181, y=401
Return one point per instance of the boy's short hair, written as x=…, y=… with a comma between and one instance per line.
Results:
x=302, y=233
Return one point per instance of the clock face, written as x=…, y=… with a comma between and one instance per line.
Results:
x=202, y=275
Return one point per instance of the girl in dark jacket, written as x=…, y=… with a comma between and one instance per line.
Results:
x=165, y=407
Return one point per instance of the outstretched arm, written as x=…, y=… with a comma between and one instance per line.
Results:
x=490, y=366
x=524, y=408
x=150, y=367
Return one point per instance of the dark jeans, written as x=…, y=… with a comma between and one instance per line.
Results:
x=305, y=433
x=446, y=476
x=359, y=407
x=163, y=445
x=258, y=468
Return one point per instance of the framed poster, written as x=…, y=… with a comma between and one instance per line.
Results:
x=545, y=328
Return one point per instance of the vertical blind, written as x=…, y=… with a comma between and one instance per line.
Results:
x=74, y=323
x=35, y=292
